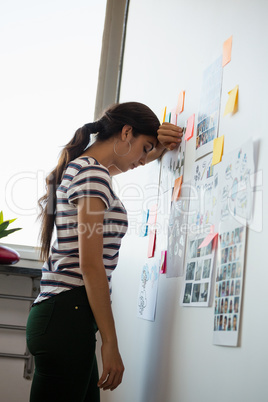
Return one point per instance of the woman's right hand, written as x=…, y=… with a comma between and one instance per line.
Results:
x=113, y=367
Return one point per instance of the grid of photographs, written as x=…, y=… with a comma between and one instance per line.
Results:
x=198, y=273
x=229, y=280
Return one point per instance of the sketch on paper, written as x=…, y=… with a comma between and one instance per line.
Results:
x=203, y=209
x=177, y=230
x=148, y=289
x=209, y=109
x=236, y=195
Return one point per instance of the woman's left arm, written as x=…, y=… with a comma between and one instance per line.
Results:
x=169, y=137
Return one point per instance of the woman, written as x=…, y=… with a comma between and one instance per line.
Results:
x=90, y=221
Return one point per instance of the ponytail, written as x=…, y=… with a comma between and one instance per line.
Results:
x=47, y=203
x=139, y=116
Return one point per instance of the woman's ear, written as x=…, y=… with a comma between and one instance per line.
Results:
x=126, y=133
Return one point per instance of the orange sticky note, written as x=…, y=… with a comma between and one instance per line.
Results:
x=180, y=105
x=227, y=51
x=151, y=245
x=177, y=189
x=163, y=115
x=152, y=215
x=232, y=103
x=163, y=262
x=217, y=150
x=190, y=128
x=209, y=238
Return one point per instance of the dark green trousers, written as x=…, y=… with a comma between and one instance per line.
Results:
x=61, y=337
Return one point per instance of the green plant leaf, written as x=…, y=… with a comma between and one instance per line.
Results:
x=5, y=233
x=1, y=217
x=12, y=220
x=3, y=226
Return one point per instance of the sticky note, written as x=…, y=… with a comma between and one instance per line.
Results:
x=163, y=262
x=173, y=118
x=163, y=115
x=177, y=189
x=231, y=105
x=190, y=128
x=167, y=118
x=209, y=237
x=151, y=245
x=217, y=150
x=227, y=51
x=180, y=105
x=144, y=224
x=152, y=215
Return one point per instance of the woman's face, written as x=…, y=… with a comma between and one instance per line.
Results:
x=133, y=151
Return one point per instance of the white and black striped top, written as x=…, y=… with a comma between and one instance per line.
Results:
x=84, y=177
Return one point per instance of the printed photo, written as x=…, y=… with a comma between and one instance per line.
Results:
x=196, y=293
x=203, y=292
x=206, y=269
x=190, y=271
x=187, y=293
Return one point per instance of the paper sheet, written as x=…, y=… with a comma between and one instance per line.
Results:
x=147, y=295
x=208, y=115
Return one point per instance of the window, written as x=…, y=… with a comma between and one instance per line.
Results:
x=49, y=71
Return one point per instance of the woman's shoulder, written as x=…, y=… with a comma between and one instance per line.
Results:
x=89, y=165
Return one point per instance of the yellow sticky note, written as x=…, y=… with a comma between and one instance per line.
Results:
x=217, y=150
x=163, y=115
x=227, y=51
x=231, y=105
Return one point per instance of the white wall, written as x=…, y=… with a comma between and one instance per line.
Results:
x=168, y=45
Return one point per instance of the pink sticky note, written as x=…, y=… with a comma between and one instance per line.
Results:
x=151, y=245
x=152, y=215
x=180, y=105
x=209, y=238
x=190, y=128
x=227, y=51
x=163, y=262
x=173, y=119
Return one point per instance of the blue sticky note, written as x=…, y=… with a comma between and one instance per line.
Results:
x=144, y=224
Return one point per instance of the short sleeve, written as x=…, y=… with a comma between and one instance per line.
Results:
x=90, y=181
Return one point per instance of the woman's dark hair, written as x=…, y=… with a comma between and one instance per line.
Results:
x=137, y=115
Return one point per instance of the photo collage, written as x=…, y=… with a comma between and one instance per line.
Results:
x=229, y=279
x=198, y=273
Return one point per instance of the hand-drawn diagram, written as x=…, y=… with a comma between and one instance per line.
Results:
x=148, y=289
x=177, y=233
x=236, y=191
x=203, y=211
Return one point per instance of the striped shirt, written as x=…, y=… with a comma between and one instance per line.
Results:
x=83, y=177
